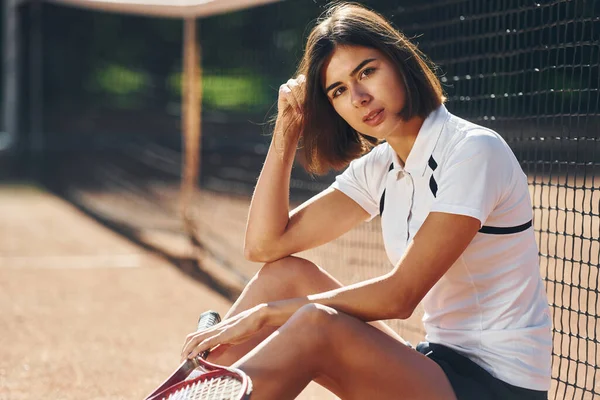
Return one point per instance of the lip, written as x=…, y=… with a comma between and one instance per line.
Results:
x=376, y=117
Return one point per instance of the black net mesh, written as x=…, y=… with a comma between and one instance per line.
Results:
x=529, y=70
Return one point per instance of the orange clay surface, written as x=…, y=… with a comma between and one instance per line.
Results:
x=85, y=314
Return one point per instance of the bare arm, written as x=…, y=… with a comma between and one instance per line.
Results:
x=272, y=232
x=438, y=244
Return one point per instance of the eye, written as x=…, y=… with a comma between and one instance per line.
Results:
x=337, y=92
x=366, y=72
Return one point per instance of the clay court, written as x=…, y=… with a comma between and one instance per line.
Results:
x=85, y=313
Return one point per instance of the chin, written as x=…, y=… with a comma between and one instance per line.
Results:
x=375, y=136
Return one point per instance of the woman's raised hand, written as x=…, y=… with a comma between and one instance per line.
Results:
x=290, y=109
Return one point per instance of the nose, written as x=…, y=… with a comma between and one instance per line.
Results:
x=360, y=97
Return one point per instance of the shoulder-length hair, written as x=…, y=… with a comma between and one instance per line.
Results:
x=328, y=141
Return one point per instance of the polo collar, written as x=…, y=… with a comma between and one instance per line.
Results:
x=427, y=138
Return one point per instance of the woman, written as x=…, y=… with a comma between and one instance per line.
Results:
x=456, y=220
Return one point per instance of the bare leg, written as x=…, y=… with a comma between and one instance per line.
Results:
x=287, y=278
x=360, y=361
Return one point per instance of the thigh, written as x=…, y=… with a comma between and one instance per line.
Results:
x=351, y=357
x=364, y=362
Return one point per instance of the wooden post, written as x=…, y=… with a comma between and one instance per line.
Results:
x=192, y=101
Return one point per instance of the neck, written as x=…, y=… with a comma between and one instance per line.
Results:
x=403, y=140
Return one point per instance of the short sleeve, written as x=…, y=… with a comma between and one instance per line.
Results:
x=360, y=181
x=475, y=176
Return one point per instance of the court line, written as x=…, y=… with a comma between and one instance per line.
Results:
x=73, y=262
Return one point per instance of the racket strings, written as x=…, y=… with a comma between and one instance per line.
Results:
x=217, y=388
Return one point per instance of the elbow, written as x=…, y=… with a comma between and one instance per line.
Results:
x=405, y=312
x=254, y=250
x=257, y=254
x=253, y=254
x=405, y=308
x=262, y=249
x=401, y=299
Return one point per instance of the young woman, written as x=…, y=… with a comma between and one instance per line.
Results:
x=456, y=220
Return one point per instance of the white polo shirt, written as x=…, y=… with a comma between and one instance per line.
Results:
x=491, y=305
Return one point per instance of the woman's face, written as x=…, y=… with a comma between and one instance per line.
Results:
x=365, y=89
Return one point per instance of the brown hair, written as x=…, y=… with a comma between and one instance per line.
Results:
x=328, y=141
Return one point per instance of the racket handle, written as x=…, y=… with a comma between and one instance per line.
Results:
x=206, y=320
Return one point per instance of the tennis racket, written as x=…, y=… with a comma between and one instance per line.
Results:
x=198, y=379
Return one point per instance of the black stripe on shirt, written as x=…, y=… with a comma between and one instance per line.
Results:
x=382, y=200
x=432, y=163
x=492, y=230
x=433, y=185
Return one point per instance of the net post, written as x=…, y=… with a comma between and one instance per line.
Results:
x=191, y=112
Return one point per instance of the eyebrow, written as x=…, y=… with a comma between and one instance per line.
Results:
x=354, y=71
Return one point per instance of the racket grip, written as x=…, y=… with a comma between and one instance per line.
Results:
x=206, y=320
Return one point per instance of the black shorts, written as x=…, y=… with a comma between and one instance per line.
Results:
x=470, y=381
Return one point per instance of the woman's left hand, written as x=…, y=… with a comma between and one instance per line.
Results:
x=231, y=331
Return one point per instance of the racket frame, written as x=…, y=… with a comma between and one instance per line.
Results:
x=210, y=370
x=178, y=379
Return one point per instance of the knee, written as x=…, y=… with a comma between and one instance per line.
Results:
x=314, y=323
x=289, y=266
x=290, y=275
x=315, y=314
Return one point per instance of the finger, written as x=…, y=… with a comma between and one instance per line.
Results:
x=203, y=333
x=193, y=339
x=206, y=344
x=189, y=344
x=215, y=331
x=225, y=337
x=287, y=97
x=190, y=347
x=295, y=86
x=187, y=340
x=295, y=117
x=284, y=89
x=293, y=83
